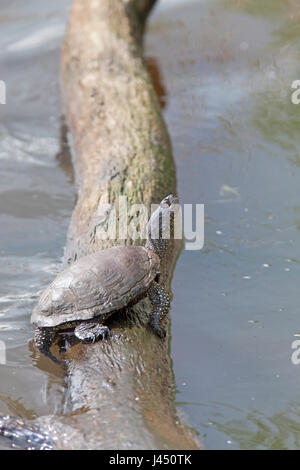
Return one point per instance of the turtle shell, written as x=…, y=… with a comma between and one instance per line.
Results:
x=96, y=284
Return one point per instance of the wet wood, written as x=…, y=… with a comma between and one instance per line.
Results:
x=121, y=391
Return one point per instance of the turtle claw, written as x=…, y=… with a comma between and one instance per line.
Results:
x=160, y=332
x=89, y=332
x=155, y=325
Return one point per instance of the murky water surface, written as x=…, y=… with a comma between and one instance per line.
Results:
x=36, y=197
x=226, y=68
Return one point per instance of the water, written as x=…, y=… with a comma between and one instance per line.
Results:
x=36, y=197
x=226, y=68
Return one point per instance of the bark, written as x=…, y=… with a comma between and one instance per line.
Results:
x=121, y=391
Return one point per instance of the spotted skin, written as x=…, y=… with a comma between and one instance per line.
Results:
x=84, y=295
x=88, y=331
x=160, y=301
x=43, y=338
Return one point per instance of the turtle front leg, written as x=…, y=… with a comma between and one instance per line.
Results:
x=160, y=301
x=91, y=331
x=44, y=337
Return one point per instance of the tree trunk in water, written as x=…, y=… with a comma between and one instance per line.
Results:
x=121, y=391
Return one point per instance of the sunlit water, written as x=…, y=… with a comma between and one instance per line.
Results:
x=227, y=68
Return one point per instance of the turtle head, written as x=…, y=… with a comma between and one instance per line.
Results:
x=160, y=228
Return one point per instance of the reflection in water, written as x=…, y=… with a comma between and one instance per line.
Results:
x=153, y=68
x=266, y=8
x=36, y=200
x=16, y=408
x=228, y=66
x=258, y=431
x=64, y=156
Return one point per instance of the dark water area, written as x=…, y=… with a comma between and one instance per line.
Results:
x=225, y=69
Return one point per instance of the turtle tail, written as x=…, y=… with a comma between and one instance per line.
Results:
x=24, y=435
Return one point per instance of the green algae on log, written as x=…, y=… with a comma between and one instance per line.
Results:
x=120, y=146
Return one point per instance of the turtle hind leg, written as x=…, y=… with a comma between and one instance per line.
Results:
x=160, y=301
x=91, y=331
x=44, y=337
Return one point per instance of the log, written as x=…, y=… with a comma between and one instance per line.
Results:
x=120, y=391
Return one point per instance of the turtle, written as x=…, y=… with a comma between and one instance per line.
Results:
x=95, y=286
